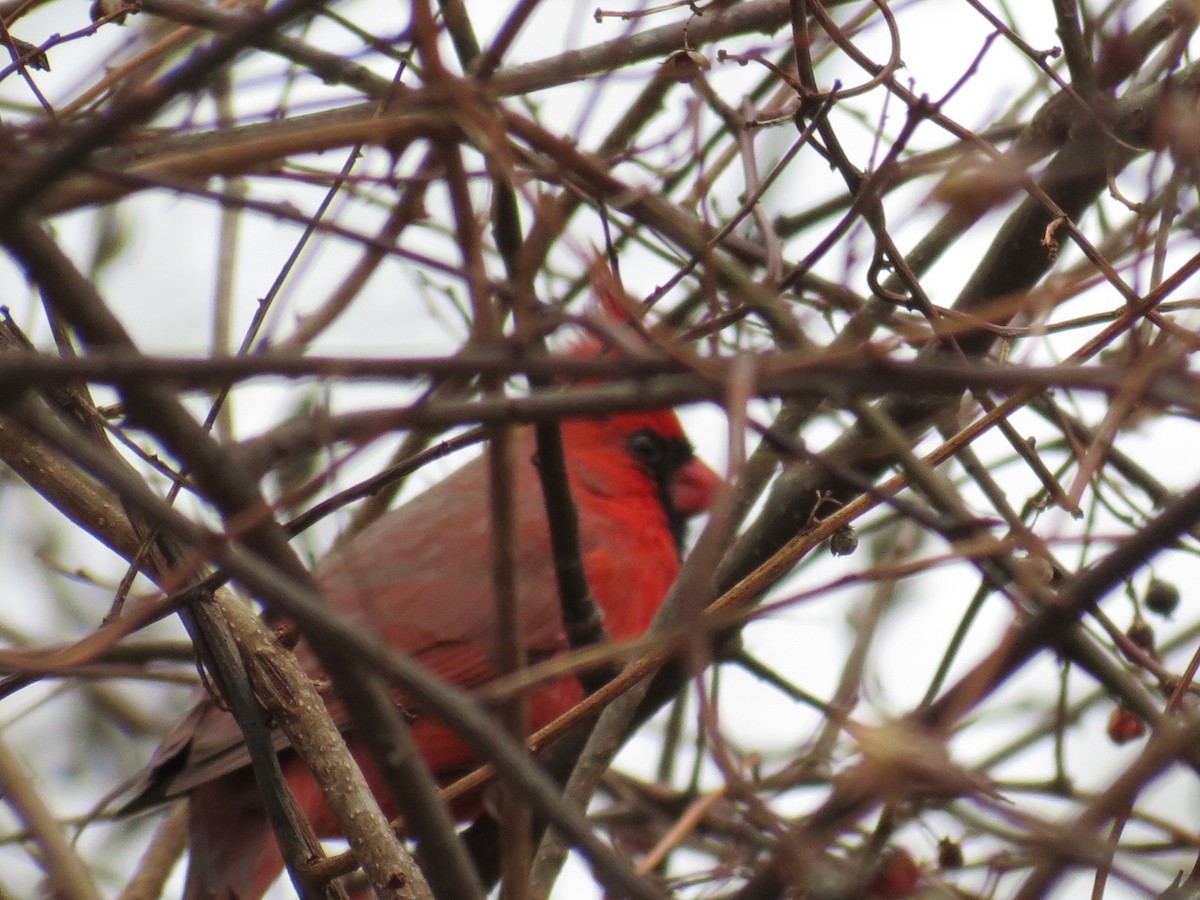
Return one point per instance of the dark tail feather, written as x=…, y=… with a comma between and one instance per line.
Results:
x=232, y=853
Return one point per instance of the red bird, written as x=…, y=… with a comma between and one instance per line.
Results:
x=421, y=577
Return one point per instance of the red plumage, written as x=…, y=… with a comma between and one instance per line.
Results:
x=421, y=577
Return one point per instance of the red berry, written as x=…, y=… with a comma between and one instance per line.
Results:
x=896, y=877
x=1124, y=725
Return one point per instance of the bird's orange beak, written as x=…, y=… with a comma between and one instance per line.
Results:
x=693, y=488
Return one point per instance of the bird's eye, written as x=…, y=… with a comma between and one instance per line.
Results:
x=647, y=448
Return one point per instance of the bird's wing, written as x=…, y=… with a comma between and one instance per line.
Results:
x=420, y=578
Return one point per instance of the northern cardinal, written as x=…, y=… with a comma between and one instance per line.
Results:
x=421, y=577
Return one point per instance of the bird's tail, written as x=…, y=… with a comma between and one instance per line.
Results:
x=232, y=852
